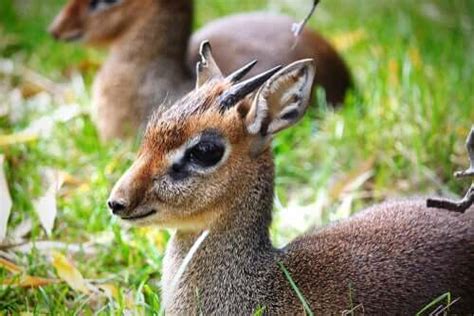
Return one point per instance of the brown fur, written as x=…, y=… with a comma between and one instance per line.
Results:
x=150, y=63
x=271, y=45
x=393, y=258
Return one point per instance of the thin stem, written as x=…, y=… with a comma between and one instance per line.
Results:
x=470, y=150
x=456, y=206
x=468, y=199
x=297, y=28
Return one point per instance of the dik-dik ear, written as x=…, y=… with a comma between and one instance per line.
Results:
x=282, y=100
x=207, y=68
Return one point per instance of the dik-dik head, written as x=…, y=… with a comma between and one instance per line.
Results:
x=201, y=155
x=96, y=22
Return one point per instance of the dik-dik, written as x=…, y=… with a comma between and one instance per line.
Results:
x=205, y=164
x=152, y=58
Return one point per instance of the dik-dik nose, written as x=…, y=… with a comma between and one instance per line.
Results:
x=118, y=207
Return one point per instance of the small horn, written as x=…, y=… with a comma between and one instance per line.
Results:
x=240, y=73
x=241, y=90
x=207, y=67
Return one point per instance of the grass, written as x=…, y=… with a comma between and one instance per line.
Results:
x=439, y=301
x=405, y=125
x=306, y=307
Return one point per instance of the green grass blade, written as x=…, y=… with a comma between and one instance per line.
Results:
x=436, y=301
x=296, y=289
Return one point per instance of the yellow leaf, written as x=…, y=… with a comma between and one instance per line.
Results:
x=415, y=57
x=347, y=40
x=68, y=272
x=110, y=290
x=393, y=70
x=155, y=236
x=18, y=138
x=10, y=266
x=69, y=178
x=85, y=187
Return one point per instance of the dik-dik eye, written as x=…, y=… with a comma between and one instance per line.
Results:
x=206, y=153
x=199, y=155
x=97, y=5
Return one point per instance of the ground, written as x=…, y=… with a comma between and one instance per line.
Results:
x=400, y=132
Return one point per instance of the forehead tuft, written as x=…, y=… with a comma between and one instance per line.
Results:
x=196, y=102
x=199, y=110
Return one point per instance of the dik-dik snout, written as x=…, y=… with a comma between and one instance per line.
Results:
x=128, y=195
x=158, y=187
x=198, y=156
x=94, y=21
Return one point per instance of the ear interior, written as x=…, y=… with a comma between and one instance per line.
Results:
x=206, y=69
x=282, y=100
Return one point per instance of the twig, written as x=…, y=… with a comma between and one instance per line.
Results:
x=468, y=199
x=297, y=28
x=450, y=205
x=469, y=172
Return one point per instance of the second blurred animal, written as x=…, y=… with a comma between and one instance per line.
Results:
x=151, y=55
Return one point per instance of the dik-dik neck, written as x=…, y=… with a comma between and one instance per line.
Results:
x=159, y=35
x=236, y=255
x=236, y=251
x=246, y=220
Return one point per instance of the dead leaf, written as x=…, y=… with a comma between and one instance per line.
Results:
x=46, y=209
x=29, y=89
x=45, y=246
x=45, y=206
x=23, y=229
x=28, y=281
x=40, y=82
x=344, y=210
x=44, y=125
x=353, y=180
x=110, y=290
x=5, y=201
x=69, y=273
x=10, y=266
x=22, y=280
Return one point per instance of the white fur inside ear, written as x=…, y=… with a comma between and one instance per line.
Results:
x=260, y=108
x=283, y=100
x=293, y=104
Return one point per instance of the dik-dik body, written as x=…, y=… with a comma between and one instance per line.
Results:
x=205, y=164
x=151, y=63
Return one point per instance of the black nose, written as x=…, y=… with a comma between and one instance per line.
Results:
x=117, y=207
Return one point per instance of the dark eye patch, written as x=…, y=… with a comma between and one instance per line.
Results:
x=209, y=151
x=206, y=153
x=178, y=170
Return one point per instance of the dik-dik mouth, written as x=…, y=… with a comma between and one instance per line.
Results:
x=139, y=216
x=72, y=37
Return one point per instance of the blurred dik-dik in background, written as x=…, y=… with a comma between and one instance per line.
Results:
x=152, y=53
